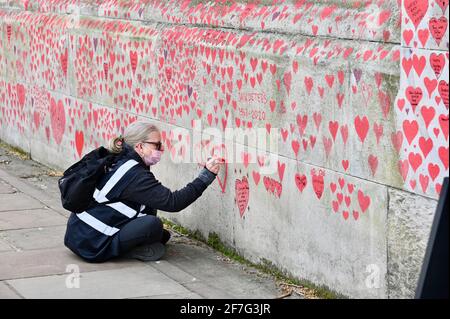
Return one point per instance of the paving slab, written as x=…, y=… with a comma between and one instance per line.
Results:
x=7, y=293
x=35, y=238
x=131, y=282
x=18, y=201
x=30, y=219
x=4, y=246
x=45, y=262
x=6, y=188
x=212, y=269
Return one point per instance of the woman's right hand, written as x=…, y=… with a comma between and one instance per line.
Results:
x=213, y=164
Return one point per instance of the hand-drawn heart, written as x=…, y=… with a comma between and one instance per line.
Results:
x=364, y=201
x=443, y=92
x=300, y=181
x=281, y=168
x=79, y=142
x=221, y=149
x=362, y=127
x=410, y=128
x=133, y=60
x=419, y=64
x=424, y=180
x=58, y=119
x=385, y=103
x=20, y=94
x=443, y=155
x=438, y=28
x=333, y=126
x=407, y=36
x=318, y=184
x=423, y=36
x=309, y=84
x=430, y=85
x=256, y=177
x=414, y=96
x=426, y=145
x=416, y=10
x=437, y=62
x=63, y=60
x=415, y=160
x=443, y=4
x=403, y=167
x=373, y=163
x=433, y=170
x=242, y=194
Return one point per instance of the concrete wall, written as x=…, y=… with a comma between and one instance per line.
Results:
x=355, y=93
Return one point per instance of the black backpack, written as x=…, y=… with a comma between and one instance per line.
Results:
x=78, y=183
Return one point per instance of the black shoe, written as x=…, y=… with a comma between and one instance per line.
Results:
x=165, y=236
x=151, y=252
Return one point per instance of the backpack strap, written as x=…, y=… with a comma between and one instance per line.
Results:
x=100, y=195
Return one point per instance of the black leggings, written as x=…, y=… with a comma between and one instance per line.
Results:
x=143, y=230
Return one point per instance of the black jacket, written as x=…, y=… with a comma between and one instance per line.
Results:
x=128, y=191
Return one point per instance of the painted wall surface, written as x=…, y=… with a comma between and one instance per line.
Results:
x=353, y=96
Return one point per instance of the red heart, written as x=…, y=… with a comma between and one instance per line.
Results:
x=433, y=170
x=302, y=121
x=242, y=194
x=415, y=159
x=345, y=214
x=281, y=168
x=443, y=122
x=410, y=128
x=428, y=114
x=79, y=142
x=430, y=85
x=318, y=184
x=317, y=119
x=300, y=181
x=335, y=206
x=308, y=84
x=362, y=127
x=373, y=163
x=333, y=127
x=423, y=179
x=345, y=164
x=416, y=10
x=256, y=177
x=443, y=4
x=438, y=27
x=426, y=145
x=364, y=201
x=419, y=64
x=414, y=95
x=295, y=147
x=437, y=62
x=20, y=94
x=378, y=130
x=327, y=143
x=58, y=120
x=443, y=155
x=423, y=36
x=344, y=133
x=407, y=36
x=443, y=91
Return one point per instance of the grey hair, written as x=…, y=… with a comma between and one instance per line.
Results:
x=135, y=133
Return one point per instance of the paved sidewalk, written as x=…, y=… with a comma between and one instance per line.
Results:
x=34, y=263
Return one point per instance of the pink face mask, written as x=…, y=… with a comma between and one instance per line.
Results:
x=152, y=159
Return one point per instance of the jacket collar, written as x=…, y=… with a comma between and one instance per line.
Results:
x=129, y=153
